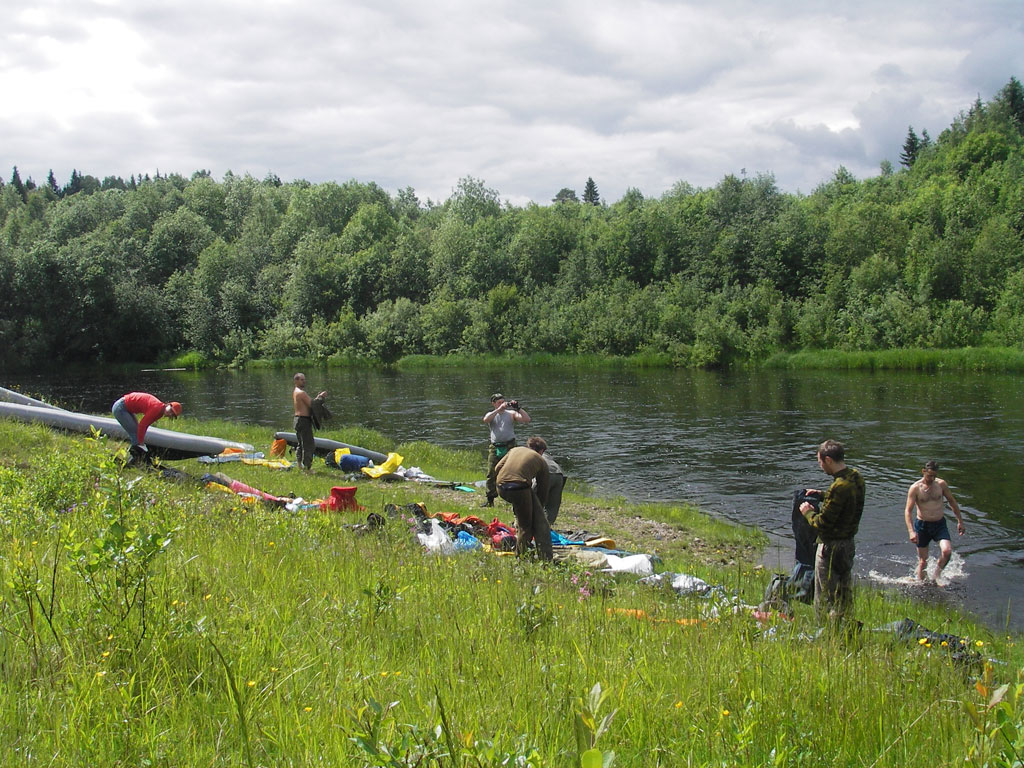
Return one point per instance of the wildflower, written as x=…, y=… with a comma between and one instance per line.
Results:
x=101, y=673
x=273, y=669
x=499, y=581
x=945, y=644
x=174, y=603
x=725, y=713
x=207, y=596
x=923, y=641
x=251, y=683
x=679, y=704
x=979, y=643
x=307, y=709
x=574, y=579
x=110, y=637
x=270, y=543
x=105, y=654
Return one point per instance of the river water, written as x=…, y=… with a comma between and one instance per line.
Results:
x=735, y=443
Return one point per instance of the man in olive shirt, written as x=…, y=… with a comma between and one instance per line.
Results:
x=516, y=472
x=836, y=522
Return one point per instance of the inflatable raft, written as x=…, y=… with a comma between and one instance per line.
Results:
x=10, y=396
x=323, y=446
x=164, y=443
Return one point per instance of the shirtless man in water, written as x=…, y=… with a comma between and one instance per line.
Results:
x=929, y=495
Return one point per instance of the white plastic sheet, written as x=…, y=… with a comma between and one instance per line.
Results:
x=641, y=565
x=437, y=541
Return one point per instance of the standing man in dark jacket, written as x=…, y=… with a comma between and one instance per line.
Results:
x=516, y=471
x=836, y=522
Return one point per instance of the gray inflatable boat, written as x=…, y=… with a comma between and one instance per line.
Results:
x=164, y=443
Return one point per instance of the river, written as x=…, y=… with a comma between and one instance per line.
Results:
x=735, y=443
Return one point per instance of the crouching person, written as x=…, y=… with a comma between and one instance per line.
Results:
x=516, y=472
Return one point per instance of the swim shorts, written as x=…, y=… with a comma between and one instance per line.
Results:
x=930, y=530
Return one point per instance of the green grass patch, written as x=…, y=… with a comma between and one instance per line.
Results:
x=151, y=622
x=537, y=360
x=994, y=359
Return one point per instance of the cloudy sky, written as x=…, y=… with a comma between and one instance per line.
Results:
x=528, y=95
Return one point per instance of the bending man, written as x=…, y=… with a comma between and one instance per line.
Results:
x=516, y=471
x=150, y=408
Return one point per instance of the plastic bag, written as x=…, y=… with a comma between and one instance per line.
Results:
x=466, y=541
x=437, y=541
x=641, y=565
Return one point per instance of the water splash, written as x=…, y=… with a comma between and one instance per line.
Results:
x=954, y=573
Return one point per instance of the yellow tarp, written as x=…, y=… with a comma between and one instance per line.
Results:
x=394, y=462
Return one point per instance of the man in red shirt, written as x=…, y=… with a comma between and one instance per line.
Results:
x=149, y=408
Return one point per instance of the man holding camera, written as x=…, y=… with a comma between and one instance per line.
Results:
x=501, y=420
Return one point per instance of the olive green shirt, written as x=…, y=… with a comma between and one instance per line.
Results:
x=524, y=465
x=838, y=517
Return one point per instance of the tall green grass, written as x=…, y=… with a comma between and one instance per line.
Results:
x=995, y=359
x=248, y=635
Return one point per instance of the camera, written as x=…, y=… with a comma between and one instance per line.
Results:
x=512, y=404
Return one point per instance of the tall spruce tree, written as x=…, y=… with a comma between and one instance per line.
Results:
x=1011, y=98
x=16, y=183
x=51, y=182
x=590, y=194
x=911, y=146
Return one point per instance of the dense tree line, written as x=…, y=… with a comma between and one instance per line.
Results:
x=931, y=255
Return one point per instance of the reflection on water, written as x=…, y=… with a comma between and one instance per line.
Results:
x=735, y=443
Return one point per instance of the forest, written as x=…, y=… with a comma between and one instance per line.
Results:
x=929, y=255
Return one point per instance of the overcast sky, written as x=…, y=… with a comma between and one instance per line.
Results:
x=528, y=95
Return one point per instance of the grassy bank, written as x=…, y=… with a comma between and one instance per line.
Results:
x=145, y=621
x=993, y=359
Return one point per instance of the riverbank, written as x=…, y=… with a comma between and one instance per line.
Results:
x=152, y=621
x=994, y=359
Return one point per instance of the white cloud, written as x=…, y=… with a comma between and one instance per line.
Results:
x=530, y=96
